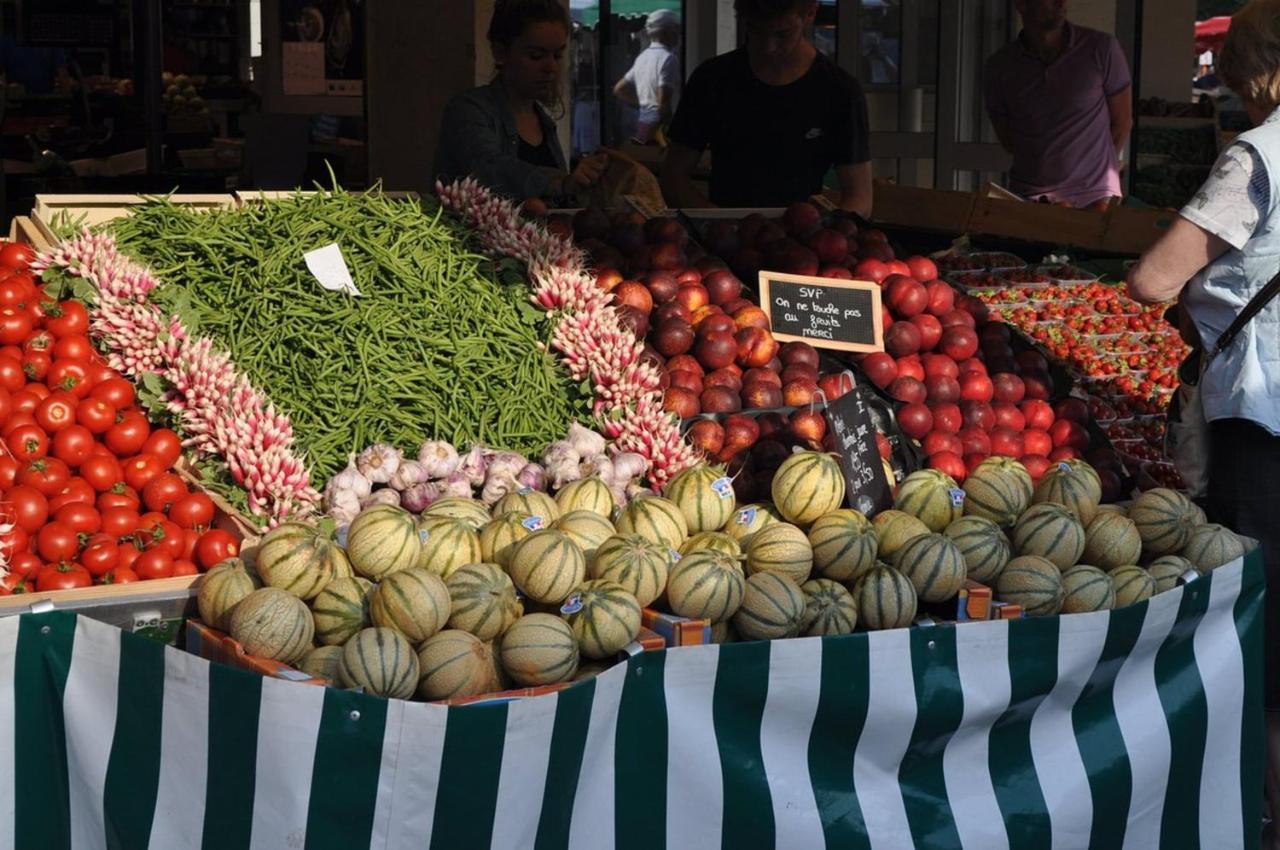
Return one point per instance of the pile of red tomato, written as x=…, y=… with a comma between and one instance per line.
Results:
x=88, y=494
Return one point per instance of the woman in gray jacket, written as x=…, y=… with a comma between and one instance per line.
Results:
x=502, y=133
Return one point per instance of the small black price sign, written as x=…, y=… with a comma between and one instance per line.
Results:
x=866, y=488
x=824, y=312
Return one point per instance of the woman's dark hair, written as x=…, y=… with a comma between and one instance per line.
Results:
x=513, y=17
x=765, y=9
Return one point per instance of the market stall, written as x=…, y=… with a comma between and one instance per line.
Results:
x=674, y=527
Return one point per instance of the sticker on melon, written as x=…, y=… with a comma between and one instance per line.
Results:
x=604, y=620
x=704, y=496
x=932, y=497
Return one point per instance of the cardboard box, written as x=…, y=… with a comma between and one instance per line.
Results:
x=676, y=631
x=973, y=602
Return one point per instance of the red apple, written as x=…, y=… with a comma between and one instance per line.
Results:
x=716, y=350
x=1075, y=409
x=975, y=441
x=975, y=308
x=881, y=368
x=681, y=402
x=733, y=306
x=751, y=316
x=707, y=435
x=949, y=462
x=958, y=343
x=976, y=387
x=723, y=378
x=693, y=297
x=942, y=389
x=666, y=256
x=871, y=269
x=720, y=400
x=761, y=375
x=798, y=392
x=922, y=268
x=662, y=286
x=942, y=441
x=939, y=364
x=673, y=310
x=886, y=317
x=807, y=426
x=956, y=318
x=672, y=337
x=799, y=370
x=716, y=323
x=930, y=331
x=632, y=294
x=1032, y=361
x=835, y=272
x=665, y=230
x=1008, y=388
x=687, y=380
x=1039, y=385
x=756, y=347
x=1009, y=416
x=741, y=431
x=898, y=267
x=722, y=286
x=685, y=363
x=830, y=245
x=761, y=396
x=1112, y=486
x=911, y=367
x=608, y=278
x=797, y=259
x=995, y=333
x=1071, y=434
x=801, y=217
x=688, y=276
x=942, y=298
x=633, y=320
x=835, y=385
x=799, y=353
x=915, y=420
x=1036, y=466
x=1036, y=442
x=902, y=339
x=978, y=414
x=947, y=417
x=1006, y=442
x=883, y=446
x=908, y=391
x=1038, y=413
x=905, y=296
x=973, y=461
x=973, y=364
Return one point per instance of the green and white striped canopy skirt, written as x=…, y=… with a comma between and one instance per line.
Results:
x=1135, y=728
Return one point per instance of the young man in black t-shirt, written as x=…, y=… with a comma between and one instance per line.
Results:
x=776, y=114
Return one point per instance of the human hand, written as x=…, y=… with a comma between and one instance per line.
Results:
x=589, y=170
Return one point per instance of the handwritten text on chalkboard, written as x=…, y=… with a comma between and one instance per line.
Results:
x=827, y=313
x=866, y=487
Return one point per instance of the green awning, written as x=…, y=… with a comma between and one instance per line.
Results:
x=587, y=13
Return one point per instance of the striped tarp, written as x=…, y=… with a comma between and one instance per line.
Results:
x=1137, y=728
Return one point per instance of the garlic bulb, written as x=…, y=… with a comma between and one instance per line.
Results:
x=562, y=463
x=497, y=486
x=457, y=485
x=379, y=462
x=475, y=465
x=585, y=441
x=409, y=473
x=349, y=480
x=439, y=458
x=504, y=465
x=419, y=497
x=344, y=506
x=629, y=465
x=385, y=496
x=601, y=465
x=533, y=476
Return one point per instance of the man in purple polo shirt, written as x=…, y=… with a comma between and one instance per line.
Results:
x=1059, y=97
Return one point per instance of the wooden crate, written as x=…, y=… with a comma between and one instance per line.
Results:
x=253, y=197
x=928, y=209
x=1037, y=222
x=1130, y=230
x=23, y=229
x=97, y=209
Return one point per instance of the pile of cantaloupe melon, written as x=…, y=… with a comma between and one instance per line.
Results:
x=539, y=590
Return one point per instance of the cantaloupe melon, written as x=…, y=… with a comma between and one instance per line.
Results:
x=885, y=599
x=722, y=633
x=273, y=623
x=382, y=662
x=808, y=485
x=829, y=609
x=749, y=519
x=382, y=540
x=934, y=565
x=222, y=588
x=299, y=558
x=414, y=602
x=844, y=545
x=499, y=536
x=341, y=610
x=453, y=664
x=931, y=496
x=712, y=540
x=998, y=489
x=780, y=548
x=447, y=544
x=471, y=511
x=482, y=600
x=1164, y=519
x=539, y=649
x=323, y=662
x=893, y=530
x=1111, y=540
x=547, y=565
x=528, y=501
x=1050, y=531
x=633, y=562
x=604, y=617
x=707, y=585
x=1033, y=582
x=1087, y=588
x=587, y=494
x=585, y=528
x=1211, y=545
x=772, y=607
x=1167, y=569
x=704, y=495
x=982, y=544
x=1073, y=484
x=656, y=519
x=1133, y=584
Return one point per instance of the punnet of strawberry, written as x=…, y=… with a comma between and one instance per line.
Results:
x=88, y=491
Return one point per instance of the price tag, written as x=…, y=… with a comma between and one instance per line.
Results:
x=826, y=313
x=866, y=488
x=330, y=269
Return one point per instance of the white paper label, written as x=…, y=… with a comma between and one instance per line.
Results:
x=331, y=269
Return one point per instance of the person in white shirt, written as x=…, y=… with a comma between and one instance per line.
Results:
x=654, y=79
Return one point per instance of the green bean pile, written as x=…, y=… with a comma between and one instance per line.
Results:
x=444, y=343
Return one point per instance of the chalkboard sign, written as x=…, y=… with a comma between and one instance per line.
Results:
x=824, y=312
x=866, y=488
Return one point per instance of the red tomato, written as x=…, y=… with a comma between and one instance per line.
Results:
x=38, y=341
x=63, y=576
x=119, y=522
x=13, y=541
x=96, y=415
x=127, y=554
x=28, y=443
x=67, y=318
x=25, y=564
x=13, y=292
x=214, y=547
x=14, y=352
x=154, y=563
x=73, y=444
x=102, y=472
x=56, y=542
x=27, y=284
x=56, y=412
x=6, y=404
x=138, y=471
x=71, y=376
x=192, y=511
x=120, y=496
x=100, y=450
x=30, y=508
x=163, y=491
x=17, y=256
x=120, y=575
x=26, y=401
x=190, y=537
x=15, y=325
x=8, y=471
x=184, y=567
x=129, y=434
x=163, y=535
x=164, y=444
x=115, y=391
x=35, y=365
x=100, y=558
x=75, y=347
x=48, y=475
x=79, y=517
x=76, y=492
x=40, y=391
x=16, y=421
x=12, y=378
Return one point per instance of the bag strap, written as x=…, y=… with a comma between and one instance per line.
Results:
x=1255, y=305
